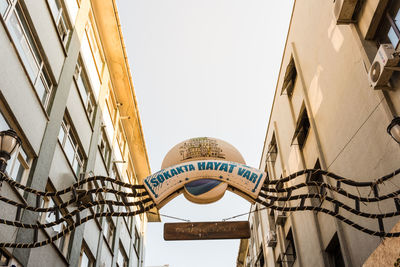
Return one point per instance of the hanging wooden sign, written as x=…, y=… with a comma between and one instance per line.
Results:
x=207, y=230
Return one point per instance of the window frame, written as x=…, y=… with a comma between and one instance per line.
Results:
x=106, y=155
x=69, y=134
x=302, y=130
x=21, y=158
x=61, y=19
x=289, y=78
x=62, y=244
x=85, y=250
x=290, y=244
x=121, y=140
x=80, y=73
x=109, y=229
x=39, y=74
x=136, y=241
x=95, y=44
x=123, y=254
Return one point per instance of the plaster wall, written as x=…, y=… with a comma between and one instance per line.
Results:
x=14, y=90
x=124, y=235
x=61, y=173
x=91, y=235
x=46, y=256
x=79, y=119
x=348, y=124
x=106, y=256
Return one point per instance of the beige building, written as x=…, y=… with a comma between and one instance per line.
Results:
x=66, y=89
x=332, y=106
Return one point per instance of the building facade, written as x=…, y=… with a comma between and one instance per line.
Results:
x=331, y=109
x=66, y=89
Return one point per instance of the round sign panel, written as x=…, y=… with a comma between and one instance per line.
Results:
x=201, y=148
x=205, y=190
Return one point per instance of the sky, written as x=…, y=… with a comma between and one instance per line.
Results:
x=203, y=68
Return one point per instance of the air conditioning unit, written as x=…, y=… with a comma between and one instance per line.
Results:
x=382, y=67
x=344, y=11
x=280, y=218
x=271, y=239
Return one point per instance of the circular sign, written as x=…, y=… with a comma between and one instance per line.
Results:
x=205, y=190
x=201, y=148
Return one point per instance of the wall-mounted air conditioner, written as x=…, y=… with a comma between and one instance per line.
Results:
x=382, y=67
x=271, y=239
x=344, y=11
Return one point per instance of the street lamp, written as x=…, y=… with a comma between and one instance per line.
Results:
x=394, y=129
x=9, y=143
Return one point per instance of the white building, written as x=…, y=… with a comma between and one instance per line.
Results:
x=66, y=89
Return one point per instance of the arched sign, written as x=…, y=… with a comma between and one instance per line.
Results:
x=203, y=168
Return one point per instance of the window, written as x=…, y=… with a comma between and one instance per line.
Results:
x=86, y=258
x=290, y=252
x=47, y=217
x=63, y=27
x=129, y=173
x=109, y=113
x=279, y=261
x=272, y=150
x=99, y=208
x=389, y=31
x=28, y=50
x=114, y=174
x=105, y=149
x=19, y=164
x=121, y=139
x=69, y=143
x=111, y=104
x=127, y=219
x=289, y=78
x=85, y=90
x=260, y=259
x=92, y=55
x=122, y=260
x=94, y=43
x=108, y=231
x=302, y=128
x=334, y=252
x=316, y=177
x=137, y=242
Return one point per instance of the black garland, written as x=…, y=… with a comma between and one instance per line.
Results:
x=275, y=194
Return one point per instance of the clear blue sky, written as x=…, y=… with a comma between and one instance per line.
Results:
x=203, y=68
